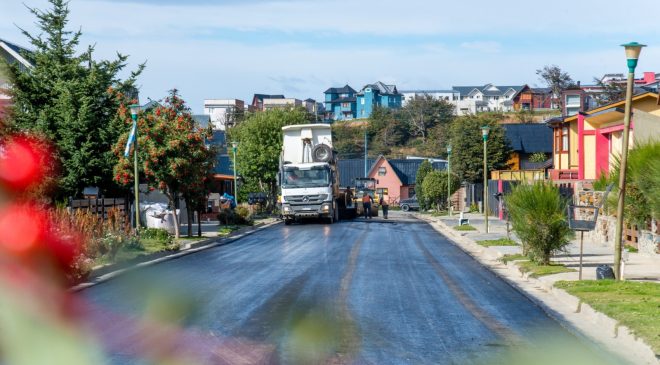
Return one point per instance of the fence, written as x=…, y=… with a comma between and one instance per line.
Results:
x=100, y=207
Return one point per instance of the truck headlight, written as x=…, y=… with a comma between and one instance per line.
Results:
x=325, y=207
x=286, y=208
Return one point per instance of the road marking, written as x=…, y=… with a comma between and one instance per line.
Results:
x=477, y=312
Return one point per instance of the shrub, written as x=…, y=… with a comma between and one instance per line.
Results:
x=538, y=157
x=435, y=188
x=537, y=214
x=239, y=216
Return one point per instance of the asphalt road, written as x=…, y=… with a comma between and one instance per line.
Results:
x=382, y=292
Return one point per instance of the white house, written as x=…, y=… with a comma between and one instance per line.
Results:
x=448, y=95
x=223, y=111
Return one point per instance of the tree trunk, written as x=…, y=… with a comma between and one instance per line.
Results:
x=199, y=223
x=172, y=198
x=188, y=213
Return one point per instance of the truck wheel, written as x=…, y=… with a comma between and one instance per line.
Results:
x=287, y=222
x=336, y=214
x=405, y=207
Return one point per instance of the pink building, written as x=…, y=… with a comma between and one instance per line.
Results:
x=396, y=177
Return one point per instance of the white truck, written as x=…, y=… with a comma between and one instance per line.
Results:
x=308, y=177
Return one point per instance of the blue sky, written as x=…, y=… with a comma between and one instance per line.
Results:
x=234, y=48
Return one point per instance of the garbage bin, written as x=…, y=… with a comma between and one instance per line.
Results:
x=604, y=272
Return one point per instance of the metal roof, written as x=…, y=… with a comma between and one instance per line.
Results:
x=223, y=166
x=351, y=169
x=340, y=90
x=407, y=169
x=529, y=138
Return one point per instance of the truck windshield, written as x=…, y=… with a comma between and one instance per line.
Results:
x=313, y=177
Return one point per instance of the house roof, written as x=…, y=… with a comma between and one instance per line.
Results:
x=218, y=138
x=406, y=170
x=351, y=169
x=485, y=89
x=223, y=165
x=529, y=138
x=16, y=52
x=381, y=88
x=340, y=90
x=261, y=97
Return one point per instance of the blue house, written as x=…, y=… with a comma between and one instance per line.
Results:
x=340, y=103
x=378, y=94
x=344, y=103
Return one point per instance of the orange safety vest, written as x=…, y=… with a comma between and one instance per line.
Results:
x=366, y=198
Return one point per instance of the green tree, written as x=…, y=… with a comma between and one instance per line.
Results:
x=260, y=145
x=171, y=150
x=467, y=147
x=538, y=157
x=348, y=139
x=435, y=188
x=71, y=99
x=424, y=112
x=538, y=216
x=556, y=79
x=611, y=92
x=424, y=169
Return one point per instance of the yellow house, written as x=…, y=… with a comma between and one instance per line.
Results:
x=586, y=145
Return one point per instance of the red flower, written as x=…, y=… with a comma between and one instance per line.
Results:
x=23, y=163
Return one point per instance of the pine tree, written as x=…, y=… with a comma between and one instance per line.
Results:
x=71, y=99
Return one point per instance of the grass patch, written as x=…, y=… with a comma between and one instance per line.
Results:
x=147, y=246
x=441, y=213
x=513, y=257
x=499, y=242
x=535, y=270
x=465, y=227
x=633, y=304
x=228, y=229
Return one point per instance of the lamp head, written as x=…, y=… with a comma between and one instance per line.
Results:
x=485, y=130
x=234, y=146
x=448, y=149
x=633, y=49
x=135, y=109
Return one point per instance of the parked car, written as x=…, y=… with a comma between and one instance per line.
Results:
x=409, y=204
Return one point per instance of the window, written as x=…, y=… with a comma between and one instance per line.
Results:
x=411, y=192
x=382, y=171
x=362, y=101
x=382, y=192
x=345, y=105
x=564, y=139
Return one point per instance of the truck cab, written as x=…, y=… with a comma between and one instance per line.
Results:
x=308, y=175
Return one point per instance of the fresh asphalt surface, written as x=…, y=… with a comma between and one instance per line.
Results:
x=382, y=292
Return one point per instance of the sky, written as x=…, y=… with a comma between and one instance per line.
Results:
x=227, y=49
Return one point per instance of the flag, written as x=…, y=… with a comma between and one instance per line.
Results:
x=131, y=139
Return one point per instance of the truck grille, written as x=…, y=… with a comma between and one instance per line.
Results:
x=306, y=199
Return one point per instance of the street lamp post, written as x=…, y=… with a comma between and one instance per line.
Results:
x=485, y=130
x=449, y=179
x=135, y=109
x=234, y=147
x=633, y=49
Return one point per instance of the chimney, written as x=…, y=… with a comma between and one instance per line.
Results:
x=578, y=84
x=649, y=77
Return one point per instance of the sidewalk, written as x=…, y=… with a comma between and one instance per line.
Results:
x=576, y=316
x=638, y=266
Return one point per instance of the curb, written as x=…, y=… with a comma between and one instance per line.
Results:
x=189, y=249
x=577, y=317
